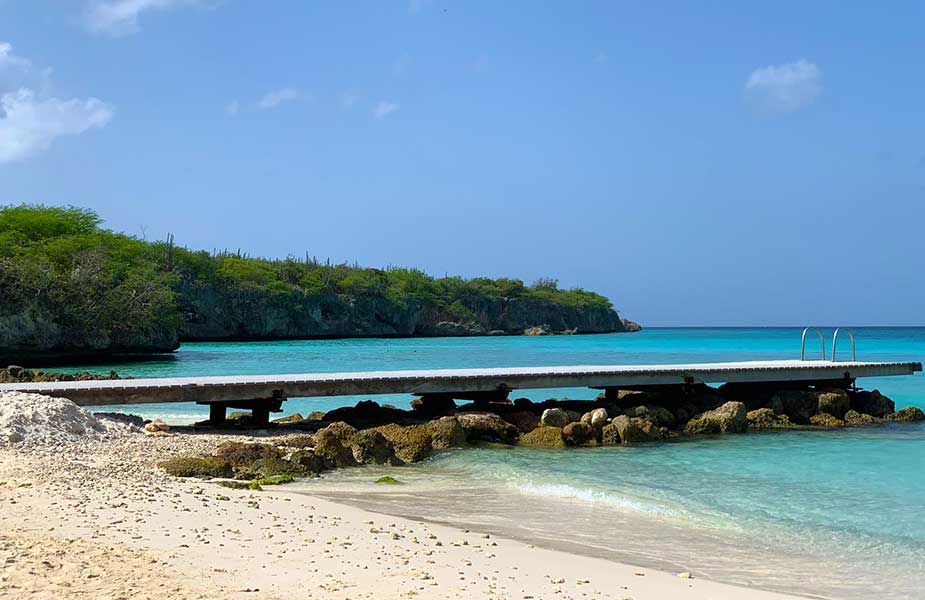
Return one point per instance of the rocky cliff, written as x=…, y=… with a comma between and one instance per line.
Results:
x=217, y=312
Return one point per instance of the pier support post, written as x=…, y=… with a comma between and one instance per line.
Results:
x=217, y=413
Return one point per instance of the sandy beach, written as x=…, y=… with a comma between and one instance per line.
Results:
x=97, y=519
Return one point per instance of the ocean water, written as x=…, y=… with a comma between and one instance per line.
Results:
x=834, y=514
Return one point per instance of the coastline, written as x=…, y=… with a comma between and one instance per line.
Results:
x=199, y=540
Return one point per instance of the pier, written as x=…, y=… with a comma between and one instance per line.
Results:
x=264, y=394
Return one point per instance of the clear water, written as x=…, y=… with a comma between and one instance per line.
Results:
x=836, y=514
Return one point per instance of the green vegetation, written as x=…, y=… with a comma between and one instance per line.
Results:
x=88, y=289
x=100, y=289
x=388, y=480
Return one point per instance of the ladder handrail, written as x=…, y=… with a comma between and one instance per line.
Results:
x=803, y=342
x=835, y=342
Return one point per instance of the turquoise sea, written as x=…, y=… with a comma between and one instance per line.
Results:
x=837, y=514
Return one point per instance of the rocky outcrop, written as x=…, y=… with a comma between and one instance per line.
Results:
x=731, y=417
x=856, y=419
x=487, y=427
x=872, y=403
x=826, y=420
x=579, y=434
x=834, y=402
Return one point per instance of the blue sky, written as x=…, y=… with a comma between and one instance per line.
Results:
x=699, y=163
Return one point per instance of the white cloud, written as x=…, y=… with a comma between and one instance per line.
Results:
x=277, y=97
x=120, y=17
x=8, y=59
x=383, y=109
x=232, y=109
x=29, y=125
x=30, y=121
x=784, y=88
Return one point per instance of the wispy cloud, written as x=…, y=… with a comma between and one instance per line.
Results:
x=784, y=88
x=384, y=109
x=276, y=97
x=120, y=17
x=10, y=60
x=31, y=121
x=232, y=108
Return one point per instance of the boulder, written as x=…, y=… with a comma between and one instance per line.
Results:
x=302, y=440
x=412, y=443
x=316, y=415
x=834, y=402
x=487, y=427
x=447, y=432
x=366, y=413
x=825, y=420
x=631, y=430
x=242, y=454
x=523, y=420
x=434, y=405
x=554, y=417
x=332, y=443
x=910, y=414
x=205, y=467
x=854, y=418
x=371, y=447
x=728, y=418
x=799, y=405
x=269, y=467
x=872, y=403
x=659, y=415
x=156, y=426
x=597, y=419
x=579, y=434
x=307, y=463
x=544, y=437
x=765, y=418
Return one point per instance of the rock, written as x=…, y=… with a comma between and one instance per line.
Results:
x=371, y=447
x=487, y=427
x=270, y=467
x=293, y=418
x=156, y=426
x=826, y=420
x=728, y=418
x=316, y=415
x=133, y=420
x=554, y=417
x=412, y=443
x=597, y=419
x=631, y=430
x=366, y=413
x=332, y=443
x=909, y=414
x=659, y=415
x=304, y=440
x=447, y=432
x=872, y=403
x=544, y=437
x=573, y=416
x=579, y=434
x=433, y=405
x=307, y=463
x=538, y=330
x=631, y=326
x=765, y=418
x=834, y=402
x=241, y=454
x=799, y=405
x=854, y=418
x=523, y=420
x=207, y=467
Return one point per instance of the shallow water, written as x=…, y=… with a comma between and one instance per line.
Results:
x=833, y=514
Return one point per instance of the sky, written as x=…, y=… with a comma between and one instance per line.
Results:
x=699, y=163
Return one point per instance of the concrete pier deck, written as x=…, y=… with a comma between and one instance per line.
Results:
x=238, y=390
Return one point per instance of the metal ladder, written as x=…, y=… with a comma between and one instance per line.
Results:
x=838, y=330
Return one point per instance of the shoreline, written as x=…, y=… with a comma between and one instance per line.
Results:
x=204, y=541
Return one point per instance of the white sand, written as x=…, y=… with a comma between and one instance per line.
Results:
x=95, y=519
